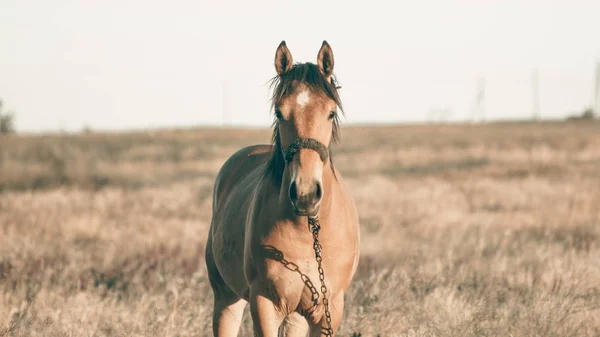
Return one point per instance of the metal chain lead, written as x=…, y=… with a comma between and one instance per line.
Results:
x=294, y=267
x=315, y=226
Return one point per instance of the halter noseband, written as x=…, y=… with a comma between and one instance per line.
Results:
x=306, y=143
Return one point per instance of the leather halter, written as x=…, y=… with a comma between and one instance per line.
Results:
x=306, y=143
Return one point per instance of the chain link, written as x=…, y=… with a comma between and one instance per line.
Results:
x=315, y=227
x=278, y=256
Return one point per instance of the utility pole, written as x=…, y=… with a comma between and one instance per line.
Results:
x=478, y=108
x=226, y=104
x=535, y=95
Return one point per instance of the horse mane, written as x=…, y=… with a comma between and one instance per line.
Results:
x=309, y=75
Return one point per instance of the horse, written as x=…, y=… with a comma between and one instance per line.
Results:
x=282, y=217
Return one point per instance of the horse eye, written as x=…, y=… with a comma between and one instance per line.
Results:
x=278, y=115
x=332, y=115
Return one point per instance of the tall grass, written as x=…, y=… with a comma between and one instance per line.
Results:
x=487, y=230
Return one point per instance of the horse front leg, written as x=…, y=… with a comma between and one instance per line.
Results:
x=294, y=325
x=266, y=316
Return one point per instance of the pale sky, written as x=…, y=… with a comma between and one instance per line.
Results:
x=119, y=64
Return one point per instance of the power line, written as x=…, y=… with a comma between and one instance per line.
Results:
x=596, y=94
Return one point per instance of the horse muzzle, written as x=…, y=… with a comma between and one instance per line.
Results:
x=306, y=199
x=306, y=194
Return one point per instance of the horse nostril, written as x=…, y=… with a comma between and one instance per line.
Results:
x=319, y=191
x=293, y=191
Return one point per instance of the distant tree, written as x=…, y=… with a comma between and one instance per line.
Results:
x=87, y=129
x=586, y=115
x=7, y=121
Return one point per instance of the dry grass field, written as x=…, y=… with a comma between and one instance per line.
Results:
x=487, y=230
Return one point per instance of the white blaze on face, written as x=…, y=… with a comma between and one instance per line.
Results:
x=303, y=98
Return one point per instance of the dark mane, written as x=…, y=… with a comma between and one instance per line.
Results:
x=309, y=75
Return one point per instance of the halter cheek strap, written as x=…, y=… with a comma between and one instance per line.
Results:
x=306, y=143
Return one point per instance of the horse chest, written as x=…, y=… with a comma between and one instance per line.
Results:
x=295, y=285
x=292, y=276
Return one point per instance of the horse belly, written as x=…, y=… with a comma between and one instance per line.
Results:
x=228, y=250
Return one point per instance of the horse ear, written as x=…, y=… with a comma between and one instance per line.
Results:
x=325, y=60
x=283, y=59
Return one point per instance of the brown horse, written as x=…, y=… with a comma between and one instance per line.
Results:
x=269, y=202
